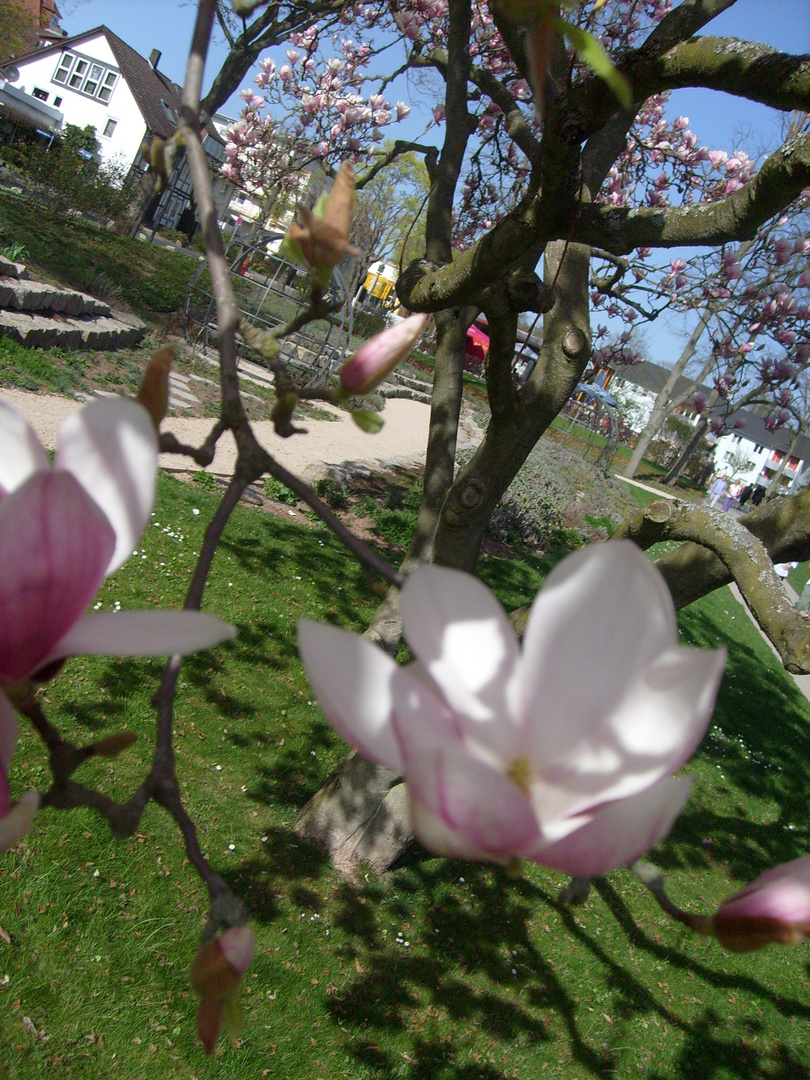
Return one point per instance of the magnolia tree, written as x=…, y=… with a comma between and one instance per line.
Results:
x=752, y=303
x=486, y=748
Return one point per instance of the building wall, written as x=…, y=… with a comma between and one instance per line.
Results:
x=764, y=462
x=37, y=73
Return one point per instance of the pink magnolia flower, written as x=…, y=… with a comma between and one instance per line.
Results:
x=563, y=754
x=774, y=908
x=375, y=360
x=62, y=531
x=215, y=975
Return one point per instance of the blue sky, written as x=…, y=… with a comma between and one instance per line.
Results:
x=719, y=120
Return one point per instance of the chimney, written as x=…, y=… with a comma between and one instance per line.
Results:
x=154, y=59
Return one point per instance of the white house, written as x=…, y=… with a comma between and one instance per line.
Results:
x=755, y=455
x=750, y=453
x=96, y=79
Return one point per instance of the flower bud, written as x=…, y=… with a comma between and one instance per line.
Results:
x=374, y=361
x=215, y=975
x=153, y=393
x=323, y=240
x=773, y=909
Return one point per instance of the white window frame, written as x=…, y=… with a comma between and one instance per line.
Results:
x=86, y=76
x=110, y=120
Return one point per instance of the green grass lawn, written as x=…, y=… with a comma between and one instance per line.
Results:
x=438, y=970
x=82, y=255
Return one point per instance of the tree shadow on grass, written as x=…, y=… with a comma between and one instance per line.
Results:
x=752, y=771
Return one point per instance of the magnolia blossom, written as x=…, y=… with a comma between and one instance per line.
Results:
x=563, y=754
x=62, y=531
x=774, y=908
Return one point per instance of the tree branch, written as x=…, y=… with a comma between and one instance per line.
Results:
x=746, y=560
x=736, y=217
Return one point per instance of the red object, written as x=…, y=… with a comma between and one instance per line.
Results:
x=477, y=343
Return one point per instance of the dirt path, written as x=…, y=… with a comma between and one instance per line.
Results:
x=331, y=442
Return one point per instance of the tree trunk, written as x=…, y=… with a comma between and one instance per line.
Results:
x=688, y=451
x=666, y=401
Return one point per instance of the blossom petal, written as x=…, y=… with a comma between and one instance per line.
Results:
x=16, y=823
x=8, y=734
x=605, y=601
x=5, y=793
x=617, y=833
x=142, y=633
x=21, y=452
x=110, y=447
x=421, y=721
x=461, y=808
x=209, y=1023
x=351, y=679
x=459, y=631
x=781, y=893
x=54, y=547
x=653, y=730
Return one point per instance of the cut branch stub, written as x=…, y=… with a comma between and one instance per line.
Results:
x=574, y=342
x=472, y=496
x=748, y=562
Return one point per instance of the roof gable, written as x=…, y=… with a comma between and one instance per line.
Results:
x=150, y=88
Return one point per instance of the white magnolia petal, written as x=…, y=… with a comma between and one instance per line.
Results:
x=420, y=719
x=21, y=452
x=460, y=633
x=8, y=731
x=656, y=727
x=618, y=833
x=463, y=808
x=606, y=601
x=17, y=821
x=142, y=633
x=351, y=679
x=111, y=448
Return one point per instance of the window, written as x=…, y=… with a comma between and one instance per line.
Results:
x=109, y=128
x=57, y=102
x=40, y=95
x=85, y=76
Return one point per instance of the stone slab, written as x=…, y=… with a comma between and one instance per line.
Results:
x=43, y=331
x=36, y=296
x=11, y=269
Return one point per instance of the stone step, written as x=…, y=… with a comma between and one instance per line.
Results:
x=408, y=382
x=35, y=296
x=176, y=393
x=12, y=269
x=67, y=332
x=389, y=391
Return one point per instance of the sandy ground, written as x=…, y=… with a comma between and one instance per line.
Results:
x=402, y=440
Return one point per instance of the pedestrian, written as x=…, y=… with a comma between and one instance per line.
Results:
x=759, y=494
x=718, y=489
x=746, y=494
x=731, y=496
